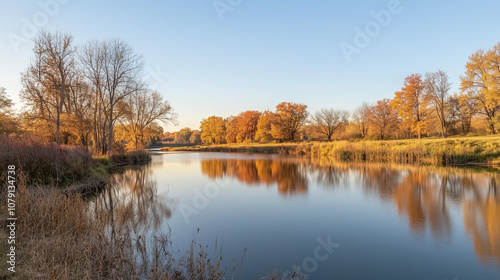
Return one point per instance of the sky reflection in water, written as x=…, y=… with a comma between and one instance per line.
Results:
x=391, y=221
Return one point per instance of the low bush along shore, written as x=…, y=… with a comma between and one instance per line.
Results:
x=451, y=151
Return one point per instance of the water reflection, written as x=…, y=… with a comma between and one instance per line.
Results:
x=287, y=174
x=132, y=200
x=481, y=220
x=425, y=196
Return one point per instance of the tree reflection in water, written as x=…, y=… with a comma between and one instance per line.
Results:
x=422, y=194
x=287, y=174
x=131, y=200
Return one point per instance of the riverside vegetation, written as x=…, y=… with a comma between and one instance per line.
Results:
x=484, y=150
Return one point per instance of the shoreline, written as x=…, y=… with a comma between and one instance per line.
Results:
x=464, y=151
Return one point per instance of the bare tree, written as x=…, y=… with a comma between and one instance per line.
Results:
x=46, y=80
x=114, y=70
x=328, y=121
x=140, y=109
x=361, y=117
x=79, y=105
x=437, y=88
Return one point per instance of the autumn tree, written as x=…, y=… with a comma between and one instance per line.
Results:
x=437, y=88
x=242, y=127
x=213, y=130
x=168, y=136
x=264, y=127
x=382, y=118
x=46, y=80
x=411, y=104
x=153, y=133
x=139, y=110
x=247, y=125
x=195, y=137
x=114, y=70
x=78, y=105
x=232, y=129
x=183, y=135
x=361, y=117
x=481, y=81
x=289, y=118
x=466, y=108
x=329, y=121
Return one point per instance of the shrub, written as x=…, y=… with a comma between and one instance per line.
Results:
x=44, y=164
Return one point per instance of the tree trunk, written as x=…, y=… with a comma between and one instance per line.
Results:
x=58, y=120
x=443, y=130
x=110, y=135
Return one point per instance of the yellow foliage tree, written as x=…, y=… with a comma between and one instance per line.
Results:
x=411, y=105
x=264, y=126
x=213, y=130
x=481, y=81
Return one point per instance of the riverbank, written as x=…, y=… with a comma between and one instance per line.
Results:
x=70, y=168
x=61, y=233
x=484, y=150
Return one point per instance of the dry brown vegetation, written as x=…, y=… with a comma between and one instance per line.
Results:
x=65, y=237
x=451, y=151
x=44, y=164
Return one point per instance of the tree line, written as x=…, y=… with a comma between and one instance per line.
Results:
x=423, y=107
x=92, y=94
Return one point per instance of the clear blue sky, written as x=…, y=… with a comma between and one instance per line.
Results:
x=264, y=52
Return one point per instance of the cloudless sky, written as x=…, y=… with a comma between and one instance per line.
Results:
x=263, y=52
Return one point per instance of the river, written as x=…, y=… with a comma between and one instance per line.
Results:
x=333, y=220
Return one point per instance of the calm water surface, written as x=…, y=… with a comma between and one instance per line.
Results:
x=333, y=220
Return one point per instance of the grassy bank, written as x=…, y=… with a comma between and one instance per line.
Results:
x=61, y=166
x=451, y=151
x=281, y=148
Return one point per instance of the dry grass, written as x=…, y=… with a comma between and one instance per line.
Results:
x=273, y=148
x=450, y=151
x=131, y=158
x=453, y=151
x=44, y=164
x=64, y=237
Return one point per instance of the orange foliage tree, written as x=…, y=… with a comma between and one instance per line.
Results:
x=242, y=127
x=289, y=118
x=412, y=105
